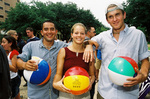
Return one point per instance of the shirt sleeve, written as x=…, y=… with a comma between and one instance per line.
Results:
x=26, y=52
x=98, y=39
x=14, y=52
x=143, y=51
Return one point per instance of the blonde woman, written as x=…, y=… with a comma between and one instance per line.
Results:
x=72, y=56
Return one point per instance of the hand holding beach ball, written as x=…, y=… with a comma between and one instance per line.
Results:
x=77, y=80
x=121, y=68
x=41, y=75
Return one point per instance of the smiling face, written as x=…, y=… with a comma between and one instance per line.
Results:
x=78, y=34
x=116, y=19
x=48, y=32
x=6, y=45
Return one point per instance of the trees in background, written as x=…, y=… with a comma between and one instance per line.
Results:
x=64, y=15
x=138, y=15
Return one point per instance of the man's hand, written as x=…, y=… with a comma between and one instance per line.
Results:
x=30, y=65
x=88, y=54
x=136, y=80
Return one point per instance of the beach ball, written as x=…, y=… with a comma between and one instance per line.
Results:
x=121, y=68
x=41, y=75
x=77, y=80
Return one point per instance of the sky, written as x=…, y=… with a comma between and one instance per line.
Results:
x=97, y=7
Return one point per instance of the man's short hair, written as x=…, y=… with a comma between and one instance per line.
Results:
x=88, y=28
x=50, y=21
x=29, y=28
x=11, y=32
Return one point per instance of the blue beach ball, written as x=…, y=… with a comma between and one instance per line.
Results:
x=41, y=75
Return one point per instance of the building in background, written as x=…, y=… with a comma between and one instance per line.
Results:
x=5, y=6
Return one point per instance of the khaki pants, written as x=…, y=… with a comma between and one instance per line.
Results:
x=99, y=96
x=97, y=63
x=63, y=95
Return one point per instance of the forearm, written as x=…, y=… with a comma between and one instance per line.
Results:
x=57, y=78
x=92, y=79
x=20, y=64
x=12, y=68
x=91, y=42
x=92, y=71
x=145, y=66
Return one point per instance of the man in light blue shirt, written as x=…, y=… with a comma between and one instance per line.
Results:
x=46, y=48
x=121, y=40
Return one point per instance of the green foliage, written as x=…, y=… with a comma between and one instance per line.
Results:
x=64, y=15
x=138, y=15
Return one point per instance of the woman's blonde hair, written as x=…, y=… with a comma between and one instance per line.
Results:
x=78, y=24
x=11, y=32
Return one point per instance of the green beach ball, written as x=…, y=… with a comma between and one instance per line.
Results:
x=121, y=68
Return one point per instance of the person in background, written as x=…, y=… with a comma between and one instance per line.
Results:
x=13, y=33
x=10, y=46
x=5, y=86
x=90, y=33
x=20, y=44
x=30, y=34
x=121, y=40
x=72, y=56
x=98, y=63
x=46, y=48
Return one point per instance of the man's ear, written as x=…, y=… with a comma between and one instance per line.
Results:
x=124, y=15
x=41, y=32
x=56, y=31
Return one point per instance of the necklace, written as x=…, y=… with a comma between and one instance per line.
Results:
x=77, y=54
x=47, y=47
x=116, y=33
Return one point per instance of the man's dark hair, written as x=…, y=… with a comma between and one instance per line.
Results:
x=29, y=28
x=88, y=28
x=50, y=21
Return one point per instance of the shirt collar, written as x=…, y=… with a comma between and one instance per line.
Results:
x=42, y=45
x=124, y=31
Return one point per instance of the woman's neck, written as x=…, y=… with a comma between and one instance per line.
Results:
x=8, y=51
x=77, y=47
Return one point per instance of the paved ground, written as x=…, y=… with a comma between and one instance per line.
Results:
x=23, y=90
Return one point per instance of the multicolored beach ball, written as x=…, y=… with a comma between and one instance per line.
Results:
x=77, y=80
x=41, y=75
x=121, y=68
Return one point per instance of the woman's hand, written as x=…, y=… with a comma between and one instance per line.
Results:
x=60, y=86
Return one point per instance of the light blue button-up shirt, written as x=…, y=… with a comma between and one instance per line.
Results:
x=131, y=43
x=36, y=48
